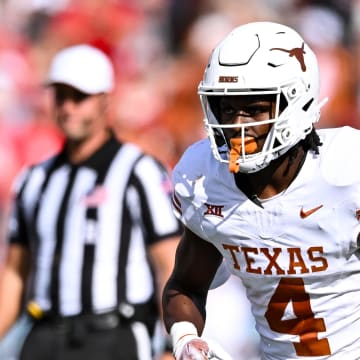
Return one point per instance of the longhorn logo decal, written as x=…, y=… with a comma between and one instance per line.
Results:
x=298, y=53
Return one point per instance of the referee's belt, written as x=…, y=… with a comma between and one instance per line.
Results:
x=126, y=314
x=90, y=322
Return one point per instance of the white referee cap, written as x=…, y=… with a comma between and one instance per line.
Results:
x=83, y=67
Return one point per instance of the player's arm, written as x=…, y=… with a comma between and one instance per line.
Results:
x=185, y=293
x=12, y=283
x=184, y=298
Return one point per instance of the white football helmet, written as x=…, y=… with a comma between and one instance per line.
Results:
x=263, y=58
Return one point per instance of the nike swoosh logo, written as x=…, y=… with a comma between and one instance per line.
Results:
x=305, y=214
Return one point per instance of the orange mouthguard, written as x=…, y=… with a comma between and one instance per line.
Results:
x=236, y=150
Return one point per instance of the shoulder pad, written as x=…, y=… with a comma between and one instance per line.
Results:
x=189, y=173
x=339, y=163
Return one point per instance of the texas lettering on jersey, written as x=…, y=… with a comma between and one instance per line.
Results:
x=296, y=263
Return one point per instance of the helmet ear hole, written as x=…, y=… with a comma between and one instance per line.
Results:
x=286, y=134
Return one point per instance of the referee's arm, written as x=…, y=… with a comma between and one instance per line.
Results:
x=13, y=275
x=162, y=255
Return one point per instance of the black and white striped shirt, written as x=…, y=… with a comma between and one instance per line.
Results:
x=88, y=227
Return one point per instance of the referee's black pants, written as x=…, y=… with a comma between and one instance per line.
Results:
x=64, y=340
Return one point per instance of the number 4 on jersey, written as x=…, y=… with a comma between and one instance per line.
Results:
x=305, y=325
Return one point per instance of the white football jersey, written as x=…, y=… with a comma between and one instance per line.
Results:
x=298, y=256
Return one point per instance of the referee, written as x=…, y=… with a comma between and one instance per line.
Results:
x=91, y=233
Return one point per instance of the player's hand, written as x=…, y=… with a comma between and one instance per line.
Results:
x=199, y=349
x=189, y=346
x=194, y=349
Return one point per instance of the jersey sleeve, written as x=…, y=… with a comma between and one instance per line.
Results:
x=189, y=176
x=339, y=160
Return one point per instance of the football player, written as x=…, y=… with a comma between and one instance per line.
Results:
x=274, y=198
